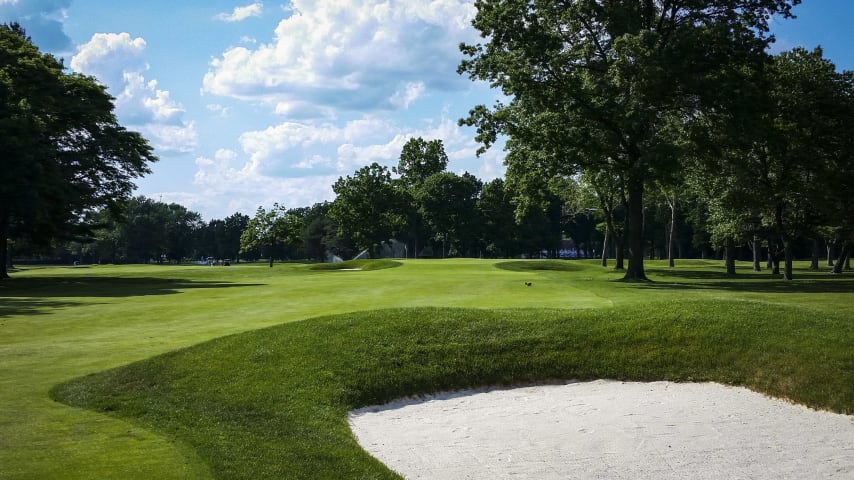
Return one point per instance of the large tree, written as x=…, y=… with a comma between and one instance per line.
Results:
x=448, y=202
x=419, y=159
x=368, y=208
x=147, y=230
x=221, y=238
x=777, y=170
x=64, y=152
x=271, y=229
x=606, y=84
x=499, y=232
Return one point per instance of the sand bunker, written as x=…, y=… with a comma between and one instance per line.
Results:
x=607, y=430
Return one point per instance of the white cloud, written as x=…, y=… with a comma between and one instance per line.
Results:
x=327, y=147
x=118, y=61
x=242, y=13
x=351, y=56
x=108, y=56
x=315, y=155
x=42, y=19
x=294, y=139
x=412, y=91
x=142, y=102
x=181, y=138
x=219, y=110
x=220, y=178
x=313, y=162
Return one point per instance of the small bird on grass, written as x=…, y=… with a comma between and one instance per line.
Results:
x=528, y=284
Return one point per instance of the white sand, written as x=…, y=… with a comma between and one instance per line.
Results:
x=607, y=430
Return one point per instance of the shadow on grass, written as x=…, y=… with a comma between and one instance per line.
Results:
x=18, y=306
x=46, y=287
x=713, y=274
x=749, y=282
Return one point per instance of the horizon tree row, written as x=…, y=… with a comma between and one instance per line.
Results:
x=438, y=214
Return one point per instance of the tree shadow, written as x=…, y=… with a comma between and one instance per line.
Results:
x=31, y=294
x=709, y=274
x=750, y=282
x=21, y=306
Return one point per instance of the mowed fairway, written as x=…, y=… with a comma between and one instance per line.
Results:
x=57, y=324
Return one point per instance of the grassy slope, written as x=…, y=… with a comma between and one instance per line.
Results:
x=790, y=339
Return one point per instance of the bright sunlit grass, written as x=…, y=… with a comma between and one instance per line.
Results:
x=272, y=403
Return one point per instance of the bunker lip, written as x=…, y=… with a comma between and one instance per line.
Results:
x=607, y=429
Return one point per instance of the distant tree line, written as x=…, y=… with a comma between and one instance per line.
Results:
x=437, y=214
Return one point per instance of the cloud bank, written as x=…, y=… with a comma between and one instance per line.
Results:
x=328, y=57
x=118, y=61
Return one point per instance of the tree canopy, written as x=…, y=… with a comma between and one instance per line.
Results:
x=367, y=208
x=271, y=228
x=64, y=152
x=598, y=84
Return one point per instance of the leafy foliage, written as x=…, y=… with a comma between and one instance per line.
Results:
x=610, y=86
x=367, y=208
x=65, y=153
x=270, y=228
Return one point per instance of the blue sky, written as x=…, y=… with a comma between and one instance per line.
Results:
x=254, y=102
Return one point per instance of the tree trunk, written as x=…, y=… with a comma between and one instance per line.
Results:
x=816, y=252
x=773, y=260
x=787, y=257
x=843, y=256
x=636, y=243
x=729, y=256
x=787, y=246
x=829, y=246
x=757, y=252
x=671, y=241
x=5, y=258
x=605, y=248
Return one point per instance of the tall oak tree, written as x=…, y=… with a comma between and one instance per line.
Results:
x=594, y=84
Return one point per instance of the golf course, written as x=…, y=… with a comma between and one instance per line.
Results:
x=246, y=371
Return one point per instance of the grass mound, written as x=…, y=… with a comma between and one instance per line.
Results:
x=365, y=265
x=272, y=403
x=540, y=265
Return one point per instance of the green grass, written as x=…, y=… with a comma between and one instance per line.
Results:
x=268, y=398
x=366, y=265
x=543, y=265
